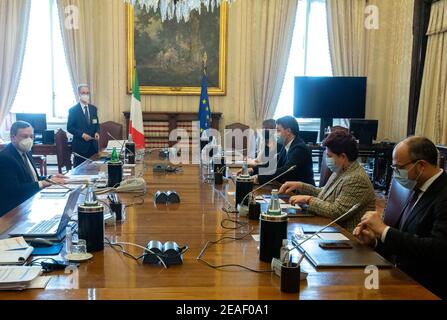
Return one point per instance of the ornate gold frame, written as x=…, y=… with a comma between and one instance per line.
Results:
x=154, y=90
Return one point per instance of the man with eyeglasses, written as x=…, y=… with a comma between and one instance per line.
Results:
x=19, y=179
x=83, y=124
x=417, y=244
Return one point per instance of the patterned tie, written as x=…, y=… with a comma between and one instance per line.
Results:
x=27, y=166
x=409, y=207
x=87, y=116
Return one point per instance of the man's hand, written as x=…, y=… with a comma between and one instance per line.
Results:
x=86, y=137
x=300, y=199
x=97, y=136
x=289, y=187
x=365, y=236
x=58, y=180
x=60, y=176
x=373, y=221
x=44, y=184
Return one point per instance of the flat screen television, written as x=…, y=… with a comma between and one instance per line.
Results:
x=330, y=97
x=37, y=120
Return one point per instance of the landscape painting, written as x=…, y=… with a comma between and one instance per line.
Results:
x=169, y=55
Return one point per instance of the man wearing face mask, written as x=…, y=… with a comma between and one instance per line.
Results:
x=293, y=152
x=347, y=186
x=19, y=179
x=83, y=124
x=417, y=243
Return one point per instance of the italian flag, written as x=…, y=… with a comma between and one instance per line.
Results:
x=136, y=128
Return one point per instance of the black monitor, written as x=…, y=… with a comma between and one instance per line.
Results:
x=309, y=137
x=37, y=120
x=330, y=97
x=364, y=130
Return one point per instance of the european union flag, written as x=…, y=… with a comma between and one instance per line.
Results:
x=204, y=108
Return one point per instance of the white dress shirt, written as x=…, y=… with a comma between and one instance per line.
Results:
x=287, y=147
x=31, y=168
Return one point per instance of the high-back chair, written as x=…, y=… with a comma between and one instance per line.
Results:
x=63, y=151
x=109, y=127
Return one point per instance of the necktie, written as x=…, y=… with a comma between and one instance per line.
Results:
x=87, y=116
x=409, y=207
x=28, y=167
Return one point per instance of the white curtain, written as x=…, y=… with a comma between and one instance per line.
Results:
x=432, y=114
x=383, y=55
x=272, y=28
x=14, y=18
x=347, y=36
x=78, y=20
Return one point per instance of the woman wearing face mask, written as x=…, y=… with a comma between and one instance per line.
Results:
x=347, y=186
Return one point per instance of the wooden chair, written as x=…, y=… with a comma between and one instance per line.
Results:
x=41, y=163
x=63, y=151
x=231, y=145
x=113, y=128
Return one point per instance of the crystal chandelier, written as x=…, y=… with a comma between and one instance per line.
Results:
x=179, y=9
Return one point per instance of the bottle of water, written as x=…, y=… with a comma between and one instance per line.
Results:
x=274, y=206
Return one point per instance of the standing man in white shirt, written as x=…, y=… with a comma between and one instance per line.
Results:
x=83, y=124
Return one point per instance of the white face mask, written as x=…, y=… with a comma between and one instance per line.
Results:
x=85, y=98
x=25, y=145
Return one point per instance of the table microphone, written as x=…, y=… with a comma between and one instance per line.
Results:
x=122, y=144
x=350, y=211
x=270, y=181
x=82, y=157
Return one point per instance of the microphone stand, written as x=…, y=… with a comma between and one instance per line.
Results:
x=295, y=246
x=270, y=181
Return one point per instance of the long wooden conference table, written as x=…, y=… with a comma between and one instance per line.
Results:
x=193, y=222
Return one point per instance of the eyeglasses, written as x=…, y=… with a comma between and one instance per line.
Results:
x=397, y=168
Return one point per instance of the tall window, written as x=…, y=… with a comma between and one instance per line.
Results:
x=309, y=56
x=45, y=85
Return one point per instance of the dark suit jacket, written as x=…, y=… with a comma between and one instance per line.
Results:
x=16, y=184
x=300, y=155
x=420, y=248
x=77, y=125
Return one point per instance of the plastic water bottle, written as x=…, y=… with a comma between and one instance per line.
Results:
x=274, y=206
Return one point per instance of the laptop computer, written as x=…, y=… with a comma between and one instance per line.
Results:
x=53, y=227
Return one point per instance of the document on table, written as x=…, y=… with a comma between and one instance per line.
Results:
x=333, y=236
x=13, y=244
x=20, y=278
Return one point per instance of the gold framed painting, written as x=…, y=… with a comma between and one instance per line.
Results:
x=169, y=55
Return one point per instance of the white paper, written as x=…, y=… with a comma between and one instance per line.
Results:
x=82, y=179
x=329, y=236
x=39, y=282
x=18, y=274
x=256, y=237
x=13, y=243
x=15, y=256
x=288, y=206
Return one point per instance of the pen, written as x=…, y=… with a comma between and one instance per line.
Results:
x=290, y=261
x=301, y=258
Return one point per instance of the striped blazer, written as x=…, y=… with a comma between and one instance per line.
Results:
x=342, y=191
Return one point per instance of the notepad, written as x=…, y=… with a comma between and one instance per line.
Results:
x=13, y=243
x=15, y=257
x=14, y=251
x=335, y=236
x=20, y=278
